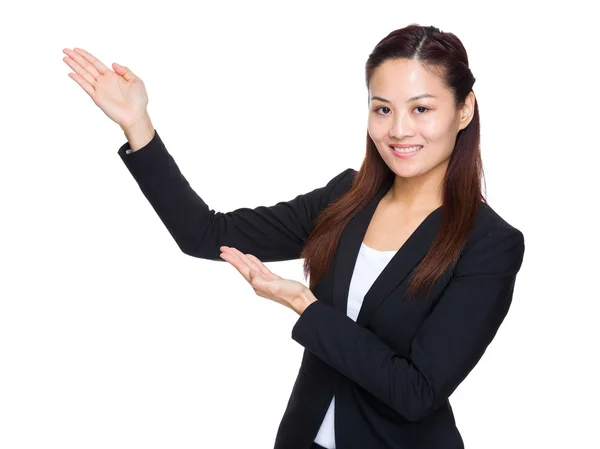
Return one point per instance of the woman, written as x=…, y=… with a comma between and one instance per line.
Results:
x=411, y=271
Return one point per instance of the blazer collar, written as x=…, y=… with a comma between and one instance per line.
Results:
x=399, y=267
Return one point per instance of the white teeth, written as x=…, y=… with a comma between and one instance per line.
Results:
x=407, y=150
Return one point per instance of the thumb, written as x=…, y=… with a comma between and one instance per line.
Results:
x=124, y=72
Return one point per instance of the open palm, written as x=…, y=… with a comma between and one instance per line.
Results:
x=265, y=283
x=120, y=94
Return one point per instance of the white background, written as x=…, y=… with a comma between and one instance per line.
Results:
x=111, y=337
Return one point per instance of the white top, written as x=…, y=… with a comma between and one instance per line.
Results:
x=369, y=265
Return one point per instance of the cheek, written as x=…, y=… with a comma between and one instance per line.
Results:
x=371, y=126
x=434, y=131
x=378, y=129
x=430, y=129
x=376, y=132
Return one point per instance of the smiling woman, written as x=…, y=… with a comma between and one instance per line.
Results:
x=425, y=124
x=423, y=136
x=411, y=271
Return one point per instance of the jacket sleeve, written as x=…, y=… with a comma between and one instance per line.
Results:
x=274, y=233
x=447, y=346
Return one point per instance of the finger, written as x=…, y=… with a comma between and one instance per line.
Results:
x=255, y=277
x=237, y=263
x=95, y=62
x=257, y=262
x=83, y=73
x=257, y=265
x=263, y=269
x=83, y=62
x=125, y=72
x=243, y=263
x=87, y=87
x=252, y=262
x=240, y=255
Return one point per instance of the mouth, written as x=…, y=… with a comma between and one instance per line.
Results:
x=406, y=152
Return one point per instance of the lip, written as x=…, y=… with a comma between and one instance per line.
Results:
x=405, y=155
x=405, y=145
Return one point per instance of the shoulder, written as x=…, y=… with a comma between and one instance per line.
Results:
x=489, y=221
x=341, y=183
x=347, y=177
x=493, y=242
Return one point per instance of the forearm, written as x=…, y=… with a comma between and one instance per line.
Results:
x=361, y=356
x=446, y=348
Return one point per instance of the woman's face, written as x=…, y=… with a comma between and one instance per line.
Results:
x=395, y=117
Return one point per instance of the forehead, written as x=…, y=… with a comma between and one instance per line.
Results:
x=400, y=79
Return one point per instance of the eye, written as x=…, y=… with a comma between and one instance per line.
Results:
x=382, y=107
x=418, y=107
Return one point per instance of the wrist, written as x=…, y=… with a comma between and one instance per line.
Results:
x=303, y=301
x=139, y=132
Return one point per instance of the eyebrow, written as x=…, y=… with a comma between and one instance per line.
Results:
x=418, y=97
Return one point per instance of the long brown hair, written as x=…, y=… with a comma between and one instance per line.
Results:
x=443, y=52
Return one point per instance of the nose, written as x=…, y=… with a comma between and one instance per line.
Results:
x=401, y=126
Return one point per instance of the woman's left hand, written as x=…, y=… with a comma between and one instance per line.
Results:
x=290, y=293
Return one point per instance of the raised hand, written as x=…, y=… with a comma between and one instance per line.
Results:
x=120, y=94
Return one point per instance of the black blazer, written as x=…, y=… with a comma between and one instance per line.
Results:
x=392, y=370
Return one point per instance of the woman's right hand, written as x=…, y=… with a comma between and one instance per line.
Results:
x=120, y=94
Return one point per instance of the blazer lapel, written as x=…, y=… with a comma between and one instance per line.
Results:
x=399, y=267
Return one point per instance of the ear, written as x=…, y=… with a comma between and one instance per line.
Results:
x=467, y=111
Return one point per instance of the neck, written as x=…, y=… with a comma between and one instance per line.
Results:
x=416, y=194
